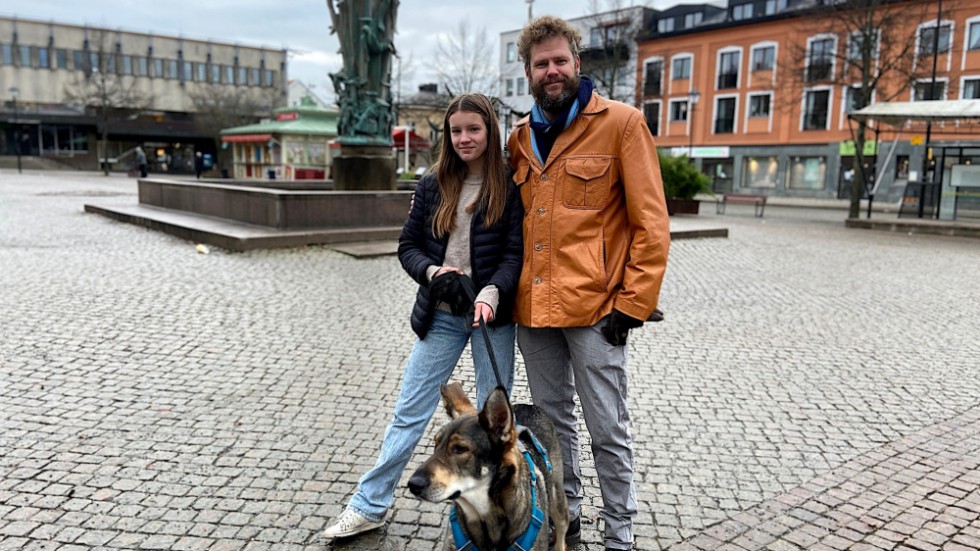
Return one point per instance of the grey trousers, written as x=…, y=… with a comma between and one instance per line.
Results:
x=561, y=362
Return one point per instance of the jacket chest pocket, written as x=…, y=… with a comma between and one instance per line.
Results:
x=586, y=183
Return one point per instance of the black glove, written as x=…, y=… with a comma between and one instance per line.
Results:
x=618, y=326
x=448, y=288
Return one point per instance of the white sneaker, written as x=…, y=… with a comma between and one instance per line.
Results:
x=350, y=523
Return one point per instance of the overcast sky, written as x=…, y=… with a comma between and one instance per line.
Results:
x=303, y=26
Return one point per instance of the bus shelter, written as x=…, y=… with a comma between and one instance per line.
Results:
x=953, y=189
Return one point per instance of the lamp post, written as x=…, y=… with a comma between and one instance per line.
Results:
x=13, y=96
x=693, y=96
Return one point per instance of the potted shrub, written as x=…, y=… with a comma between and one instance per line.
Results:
x=682, y=181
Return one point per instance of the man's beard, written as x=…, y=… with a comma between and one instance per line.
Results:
x=557, y=104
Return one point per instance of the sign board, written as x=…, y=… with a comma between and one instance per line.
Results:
x=287, y=116
x=847, y=148
x=917, y=140
x=702, y=152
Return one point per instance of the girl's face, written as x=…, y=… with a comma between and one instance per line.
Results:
x=469, y=136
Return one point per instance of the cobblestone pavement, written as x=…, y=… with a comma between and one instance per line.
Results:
x=812, y=387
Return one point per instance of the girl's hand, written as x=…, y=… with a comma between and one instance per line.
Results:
x=446, y=269
x=482, y=309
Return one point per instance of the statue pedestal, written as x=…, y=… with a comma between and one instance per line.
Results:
x=364, y=167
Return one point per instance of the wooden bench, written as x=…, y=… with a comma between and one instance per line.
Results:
x=758, y=200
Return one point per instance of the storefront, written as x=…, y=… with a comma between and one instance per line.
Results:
x=293, y=146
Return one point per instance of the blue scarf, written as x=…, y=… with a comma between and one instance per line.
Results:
x=545, y=132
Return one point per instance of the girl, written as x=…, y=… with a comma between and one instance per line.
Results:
x=466, y=218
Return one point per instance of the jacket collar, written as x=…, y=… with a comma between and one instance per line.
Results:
x=596, y=105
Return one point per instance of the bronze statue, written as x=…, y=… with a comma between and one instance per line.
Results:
x=365, y=29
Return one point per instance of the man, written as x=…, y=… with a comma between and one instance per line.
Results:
x=596, y=237
x=141, y=161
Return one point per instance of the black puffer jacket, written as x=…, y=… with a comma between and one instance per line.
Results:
x=496, y=253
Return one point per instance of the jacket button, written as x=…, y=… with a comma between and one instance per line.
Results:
x=538, y=247
x=541, y=211
x=537, y=280
x=544, y=177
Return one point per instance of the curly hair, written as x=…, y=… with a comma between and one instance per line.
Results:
x=543, y=28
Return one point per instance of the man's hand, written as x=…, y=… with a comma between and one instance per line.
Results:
x=618, y=326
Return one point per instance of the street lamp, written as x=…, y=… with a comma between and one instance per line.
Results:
x=693, y=96
x=13, y=96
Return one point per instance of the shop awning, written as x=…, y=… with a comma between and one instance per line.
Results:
x=414, y=140
x=897, y=113
x=246, y=138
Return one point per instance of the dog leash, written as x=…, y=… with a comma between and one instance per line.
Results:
x=470, y=289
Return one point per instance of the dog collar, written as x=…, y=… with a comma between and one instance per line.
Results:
x=525, y=540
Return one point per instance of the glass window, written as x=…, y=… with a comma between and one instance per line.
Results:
x=924, y=91
x=511, y=52
x=242, y=76
x=759, y=105
x=42, y=58
x=973, y=40
x=93, y=62
x=142, y=67
x=521, y=86
x=110, y=63
x=61, y=58
x=725, y=116
x=24, y=56
x=971, y=88
x=901, y=166
x=158, y=68
x=807, y=173
x=172, y=69
x=728, y=70
x=775, y=6
x=693, y=19
x=927, y=39
x=678, y=111
x=763, y=59
x=760, y=171
x=820, y=59
x=6, y=54
x=78, y=60
x=255, y=77
x=651, y=81
x=742, y=11
x=651, y=111
x=215, y=74
x=681, y=68
x=856, y=43
x=665, y=25
x=510, y=87
x=127, y=64
x=202, y=72
x=853, y=99
x=229, y=74
x=815, y=113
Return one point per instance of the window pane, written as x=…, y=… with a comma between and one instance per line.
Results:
x=807, y=172
x=759, y=106
x=678, y=111
x=681, y=68
x=763, y=58
x=25, y=56
x=815, y=117
x=651, y=112
x=971, y=89
x=725, y=116
x=974, y=40
x=6, y=54
x=651, y=84
x=42, y=58
x=760, y=172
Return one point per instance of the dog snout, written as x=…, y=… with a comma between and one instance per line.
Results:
x=418, y=484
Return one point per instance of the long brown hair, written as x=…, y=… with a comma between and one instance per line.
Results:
x=451, y=170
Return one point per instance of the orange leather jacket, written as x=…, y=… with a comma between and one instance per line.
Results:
x=596, y=232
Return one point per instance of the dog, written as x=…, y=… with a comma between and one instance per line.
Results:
x=480, y=464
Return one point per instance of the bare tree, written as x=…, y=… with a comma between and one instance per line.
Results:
x=103, y=88
x=220, y=107
x=464, y=61
x=608, y=47
x=865, y=46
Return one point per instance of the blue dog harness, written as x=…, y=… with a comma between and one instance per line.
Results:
x=525, y=540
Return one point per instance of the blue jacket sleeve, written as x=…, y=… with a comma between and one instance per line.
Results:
x=412, y=251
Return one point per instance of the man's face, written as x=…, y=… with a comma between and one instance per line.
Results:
x=554, y=74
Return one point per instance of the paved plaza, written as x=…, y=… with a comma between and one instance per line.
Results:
x=812, y=387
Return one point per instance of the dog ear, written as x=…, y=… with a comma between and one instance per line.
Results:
x=455, y=400
x=497, y=417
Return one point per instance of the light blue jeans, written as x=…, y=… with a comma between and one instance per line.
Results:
x=430, y=364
